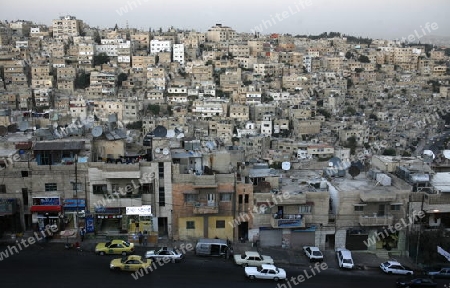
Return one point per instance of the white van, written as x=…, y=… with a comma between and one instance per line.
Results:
x=213, y=247
x=344, y=258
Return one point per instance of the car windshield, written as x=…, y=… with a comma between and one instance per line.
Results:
x=124, y=259
x=107, y=244
x=317, y=253
x=386, y=264
x=126, y=243
x=348, y=261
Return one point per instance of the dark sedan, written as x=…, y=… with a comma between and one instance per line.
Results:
x=416, y=282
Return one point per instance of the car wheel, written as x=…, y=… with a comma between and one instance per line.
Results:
x=389, y=272
x=409, y=274
x=276, y=279
x=244, y=265
x=124, y=253
x=251, y=277
x=101, y=253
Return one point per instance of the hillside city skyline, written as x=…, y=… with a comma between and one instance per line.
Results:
x=300, y=17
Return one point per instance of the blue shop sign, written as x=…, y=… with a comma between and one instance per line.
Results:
x=72, y=203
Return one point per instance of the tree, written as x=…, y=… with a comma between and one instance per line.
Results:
x=363, y=59
x=389, y=152
x=348, y=55
x=351, y=143
x=324, y=112
x=82, y=80
x=122, y=77
x=354, y=171
x=154, y=109
x=101, y=58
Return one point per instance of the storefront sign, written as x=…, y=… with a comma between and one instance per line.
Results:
x=7, y=206
x=107, y=210
x=49, y=201
x=145, y=210
x=89, y=224
x=72, y=203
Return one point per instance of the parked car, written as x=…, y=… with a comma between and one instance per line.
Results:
x=394, y=267
x=313, y=253
x=265, y=271
x=415, y=282
x=213, y=247
x=165, y=253
x=130, y=263
x=252, y=258
x=439, y=273
x=344, y=258
x=115, y=247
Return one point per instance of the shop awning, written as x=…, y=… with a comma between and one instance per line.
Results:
x=45, y=208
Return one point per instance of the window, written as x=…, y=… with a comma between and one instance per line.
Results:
x=162, y=197
x=246, y=198
x=240, y=199
x=190, y=198
x=146, y=188
x=304, y=209
x=161, y=169
x=359, y=208
x=25, y=196
x=395, y=207
x=99, y=189
x=220, y=223
x=76, y=186
x=24, y=173
x=190, y=225
x=2, y=188
x=50, y=187
x=225, y=197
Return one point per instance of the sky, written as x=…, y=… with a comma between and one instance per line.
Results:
x=376, y=19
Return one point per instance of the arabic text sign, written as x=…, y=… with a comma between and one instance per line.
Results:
x=145, y=210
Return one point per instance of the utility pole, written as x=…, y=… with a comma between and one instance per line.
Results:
x=76, y=194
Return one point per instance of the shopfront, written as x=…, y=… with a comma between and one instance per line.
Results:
x=9, y=216
x=108, y=219
x=72, y=207
x=46, y=211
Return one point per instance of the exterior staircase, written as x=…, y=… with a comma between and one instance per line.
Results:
x=383, y=254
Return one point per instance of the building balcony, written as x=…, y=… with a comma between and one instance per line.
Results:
x=366, y=220
x=200, y=208
x=288, y=221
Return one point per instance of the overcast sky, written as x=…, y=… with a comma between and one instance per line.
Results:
x=387, y=19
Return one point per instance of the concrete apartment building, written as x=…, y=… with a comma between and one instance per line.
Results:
x=220, y=33
x=66, y=26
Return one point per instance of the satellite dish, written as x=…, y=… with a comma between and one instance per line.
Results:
x=428, y=156
x=165, y=151
x=158, y=150
x=97, y=131
x=286, y=165
x=3, y=130
x=160, y=131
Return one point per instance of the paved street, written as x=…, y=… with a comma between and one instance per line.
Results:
x=50, y=265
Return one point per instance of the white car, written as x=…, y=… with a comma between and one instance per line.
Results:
x=394, y=267
x=313, y=253
x=265, y=271
x=344, y=258
x=164, y=253
x=252, y=258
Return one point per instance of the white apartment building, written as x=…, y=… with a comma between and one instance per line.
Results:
x=178, y=53
x=157, y=46
x=253, y=98
x=266, y=125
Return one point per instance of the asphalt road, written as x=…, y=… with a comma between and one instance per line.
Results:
x=52, y=266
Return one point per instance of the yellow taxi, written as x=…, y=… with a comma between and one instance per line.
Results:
x=115, y=247
x=130, y=263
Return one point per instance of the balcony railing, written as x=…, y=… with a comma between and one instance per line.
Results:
x=287, y=221
x=201, y=208
x=366, y=220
